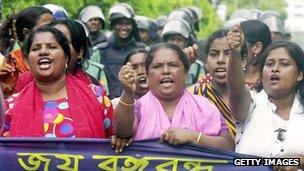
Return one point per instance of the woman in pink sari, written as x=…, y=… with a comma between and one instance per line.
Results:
x=168, y=111
x=55, y=104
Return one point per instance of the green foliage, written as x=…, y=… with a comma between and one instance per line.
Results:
x=151, y=9
x=211, y=21
x=154, y=8
x=9, y=6
x=277, y=5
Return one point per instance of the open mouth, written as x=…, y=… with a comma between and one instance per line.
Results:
x=220, y=72
x=124, y=33
x=45, y=63
x=142, y=82
x=274, y=78
x=166, y=81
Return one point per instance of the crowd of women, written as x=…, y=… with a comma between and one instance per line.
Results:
x=241, y=90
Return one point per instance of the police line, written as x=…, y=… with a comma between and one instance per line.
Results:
x=93, y=154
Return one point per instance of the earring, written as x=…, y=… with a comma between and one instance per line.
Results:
x=79, y=60
x=66, y=68
x=255, y=56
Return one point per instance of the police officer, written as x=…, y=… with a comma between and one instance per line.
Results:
x=183, y=15
x=275, y=23
x=179, y=32
x=124, y=38
x=160, y=23
x=94, y=20
x=58, y=11
x=147, y=30
x=255, y=13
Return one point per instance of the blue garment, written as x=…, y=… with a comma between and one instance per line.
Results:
x=112, y=57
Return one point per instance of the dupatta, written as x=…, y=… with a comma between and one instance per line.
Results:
x=86, y=111
x=192, y=112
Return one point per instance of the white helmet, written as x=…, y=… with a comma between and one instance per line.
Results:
x=90, y=12
x=177, y=26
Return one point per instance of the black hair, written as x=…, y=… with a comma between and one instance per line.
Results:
x=78, y=37
x=79, y=42
x=215, y=35
x=12, y=28
x=60, y=37
x=133, y=52
x=256, y=31
x=181, y=55
x=294, y=52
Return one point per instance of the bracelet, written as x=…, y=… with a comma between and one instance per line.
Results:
x=199, y=137
x=127, y=104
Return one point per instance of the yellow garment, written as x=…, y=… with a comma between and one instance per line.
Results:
x=205, y=88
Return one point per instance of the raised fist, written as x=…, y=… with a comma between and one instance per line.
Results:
x=235, y=38
x=127, y=76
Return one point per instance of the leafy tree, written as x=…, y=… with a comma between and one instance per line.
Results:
x=277, y=5
x=154, y=8
x=148, y=8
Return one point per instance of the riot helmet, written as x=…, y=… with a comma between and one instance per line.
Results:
x=273, y=20
x=91, y=12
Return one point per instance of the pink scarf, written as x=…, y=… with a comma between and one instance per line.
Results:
x=192, y=112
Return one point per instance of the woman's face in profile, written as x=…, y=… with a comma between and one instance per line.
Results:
x=74, y=55
x=166, y=76
x=138, y=62
x=44, y=20
x=46, y=58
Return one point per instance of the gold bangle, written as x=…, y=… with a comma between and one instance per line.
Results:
x=127, y=104
x=199, y=137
